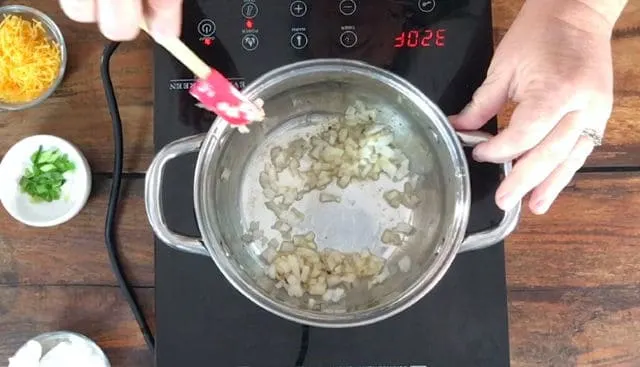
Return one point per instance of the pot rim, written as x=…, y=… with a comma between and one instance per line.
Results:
x=448, y=249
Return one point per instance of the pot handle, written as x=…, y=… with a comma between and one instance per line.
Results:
x=153, y=195
x=480, y=240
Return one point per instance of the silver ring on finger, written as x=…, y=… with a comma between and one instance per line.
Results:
x=594, y=135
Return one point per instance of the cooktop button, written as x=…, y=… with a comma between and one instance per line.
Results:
x=298, y=8
x=250, y=42
x=347, y=7
x=348, y=39
x=249, y=10
x=206, y=28
x=426, y=6
x=299, y=41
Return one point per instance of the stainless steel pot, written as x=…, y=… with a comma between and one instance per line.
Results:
x=300, y=97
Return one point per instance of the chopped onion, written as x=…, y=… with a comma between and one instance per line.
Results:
x=269, y=254
x=392, y=197
x=272, y=174
x=225, y=174
x=275, y=208
x=279, y=158
x=290, y=218
x=327, y=198
x=343, y=134
x=331, y=154
x=379, y=278
x=404, y=228
x=354, y=148
x=404, y=264
x=410, y=202
x=286, y=246
x=264, y=181
x=391, y=238
x=269, y=193
x=333, y=295
x=273, y=243
x=281, y=226
x=403, y=170
x=344, y=181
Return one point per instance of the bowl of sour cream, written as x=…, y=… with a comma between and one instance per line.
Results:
x=59, y=349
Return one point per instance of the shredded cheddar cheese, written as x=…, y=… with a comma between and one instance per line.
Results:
x=29, y=60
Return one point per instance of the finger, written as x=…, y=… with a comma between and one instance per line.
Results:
x=545, y=194
x=118, y=19
x=165, y=17
x=537, y=164
x=531, y=121
x=83, y=11
x=486, y=102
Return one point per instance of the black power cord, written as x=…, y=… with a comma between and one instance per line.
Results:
x=304, y=346
x=114, y=196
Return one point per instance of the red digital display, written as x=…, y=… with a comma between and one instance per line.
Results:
x=421, y=38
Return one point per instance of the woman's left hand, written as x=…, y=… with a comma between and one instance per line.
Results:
x=555, y=63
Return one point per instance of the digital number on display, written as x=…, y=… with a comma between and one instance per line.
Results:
x=420, y=38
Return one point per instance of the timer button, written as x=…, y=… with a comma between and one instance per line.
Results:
x=249, y=10
x=347, y=7
x=426, y=6
x=250, y=42
x=298, y=8
x=348, y=39
x=299, y=40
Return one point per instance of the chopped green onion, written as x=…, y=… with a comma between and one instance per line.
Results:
x=43, y=181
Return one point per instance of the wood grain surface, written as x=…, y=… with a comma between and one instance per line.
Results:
x=573, y=275
x=99, y=312
x=75, y=254
x=78, y=112
x=621, y=145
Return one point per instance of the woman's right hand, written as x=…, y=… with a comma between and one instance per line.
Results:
x=119, y=20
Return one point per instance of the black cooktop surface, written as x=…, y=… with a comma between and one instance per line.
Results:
x=444, y=48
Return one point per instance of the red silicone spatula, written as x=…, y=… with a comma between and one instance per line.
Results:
x=212, y=89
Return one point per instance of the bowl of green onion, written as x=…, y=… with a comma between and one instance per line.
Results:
x=44, y=181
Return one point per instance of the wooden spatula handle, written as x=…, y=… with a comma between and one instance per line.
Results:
x=181, y=52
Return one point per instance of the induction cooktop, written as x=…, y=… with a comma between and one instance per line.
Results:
x=444, y=48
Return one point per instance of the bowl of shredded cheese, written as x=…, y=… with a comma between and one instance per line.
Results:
x=33, y=57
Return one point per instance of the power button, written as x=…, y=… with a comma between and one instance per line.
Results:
x=206, y=28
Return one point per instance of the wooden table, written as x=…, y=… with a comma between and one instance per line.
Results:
x=573, y=275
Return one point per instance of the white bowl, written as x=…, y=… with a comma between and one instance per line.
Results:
x=47, y=341
x=75, y=191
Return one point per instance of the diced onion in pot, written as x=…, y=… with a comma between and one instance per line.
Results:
x=327, y=198
x=404, y=228
x=352, y=149
x=404, y=264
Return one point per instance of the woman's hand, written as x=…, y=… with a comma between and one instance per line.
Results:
x=119, y=19
x=555, y=64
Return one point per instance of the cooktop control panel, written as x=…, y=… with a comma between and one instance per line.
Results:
x=432, y=43
x=342, y=19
